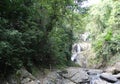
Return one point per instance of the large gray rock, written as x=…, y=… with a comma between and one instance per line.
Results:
x=76, y=75
x=22, y=77
x=55, y=78
x=108, y=77
x=27, y=78
x=67, y=76
x=25, y=74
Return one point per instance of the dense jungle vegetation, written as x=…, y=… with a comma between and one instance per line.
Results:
x=41, y=32
x=36, y=32
x=104, y=23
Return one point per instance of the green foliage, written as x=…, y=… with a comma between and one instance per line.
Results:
x=104, y=25
x=36, y=32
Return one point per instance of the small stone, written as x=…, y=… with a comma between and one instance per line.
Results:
x=108, y=77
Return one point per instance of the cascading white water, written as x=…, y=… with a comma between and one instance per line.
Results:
x=74, y=56
x=76, y=50
x=80, y=48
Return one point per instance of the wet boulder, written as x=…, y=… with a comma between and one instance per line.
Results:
x=108, y=77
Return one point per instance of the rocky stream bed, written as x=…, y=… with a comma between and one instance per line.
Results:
x=71, y=75
x=74, y=75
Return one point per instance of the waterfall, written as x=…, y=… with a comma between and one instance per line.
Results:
x=80, y=50
x=74, y=56
x=76, y=50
